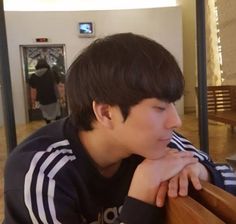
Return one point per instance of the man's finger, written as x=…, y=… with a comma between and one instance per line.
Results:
x=173, y=187
x=183, y=184
x=196, y=182
x=161, y=194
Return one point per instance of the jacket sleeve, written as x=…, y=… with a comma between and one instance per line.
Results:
x=137, y=212
x=32, y=81
x=222, y=175
x=43, y=193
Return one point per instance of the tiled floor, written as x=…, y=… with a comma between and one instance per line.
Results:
x=222, y=142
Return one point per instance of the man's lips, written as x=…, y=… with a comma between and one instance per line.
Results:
x=165, y=139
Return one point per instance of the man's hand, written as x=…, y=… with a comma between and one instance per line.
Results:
x=151, y=173
x=178, y=185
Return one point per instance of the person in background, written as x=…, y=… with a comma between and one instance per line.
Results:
x=117, y=155
x=45, y=81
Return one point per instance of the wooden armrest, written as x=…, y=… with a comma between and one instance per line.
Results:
x=209, y=205
x=182, y=210
x=218, y=201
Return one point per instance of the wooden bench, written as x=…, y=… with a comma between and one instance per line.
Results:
x=209, y=205
x=221, y=102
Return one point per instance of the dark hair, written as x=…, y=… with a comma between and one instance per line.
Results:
x=122, y=70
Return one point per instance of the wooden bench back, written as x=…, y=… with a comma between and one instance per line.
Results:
x=187, y=210
x=221, y=98
x=210, y=205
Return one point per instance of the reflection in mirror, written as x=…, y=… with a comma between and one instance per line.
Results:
x=43, y=69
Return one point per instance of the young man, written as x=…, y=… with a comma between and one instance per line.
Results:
x=45, y=81
x=117, y=155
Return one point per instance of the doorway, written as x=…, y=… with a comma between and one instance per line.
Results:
x=55, y=57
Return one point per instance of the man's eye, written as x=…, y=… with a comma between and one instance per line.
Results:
x=160, y=108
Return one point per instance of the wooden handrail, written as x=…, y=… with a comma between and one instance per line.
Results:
x=209, y=205
x=218, y=201
x=183, y=210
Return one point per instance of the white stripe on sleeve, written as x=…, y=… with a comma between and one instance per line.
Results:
x=41, y=178
x=27, y=184
x=230, y=182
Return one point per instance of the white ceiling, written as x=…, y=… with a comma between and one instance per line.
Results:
x=80, y=5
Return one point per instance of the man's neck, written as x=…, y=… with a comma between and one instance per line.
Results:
x=107, y=156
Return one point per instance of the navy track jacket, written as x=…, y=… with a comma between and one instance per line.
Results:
x=49, y=178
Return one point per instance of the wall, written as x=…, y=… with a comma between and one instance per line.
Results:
x=213, y=62
x=189, y=53
x=227, y=27
x=162, y=24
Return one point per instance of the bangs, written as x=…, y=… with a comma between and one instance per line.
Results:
x=162, y=80
x=155, y=74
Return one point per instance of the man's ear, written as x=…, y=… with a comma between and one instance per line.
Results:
x=102, y=112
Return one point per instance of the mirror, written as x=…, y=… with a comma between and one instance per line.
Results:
x=43, y=69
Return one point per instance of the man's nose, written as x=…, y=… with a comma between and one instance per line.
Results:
x=174, y=120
